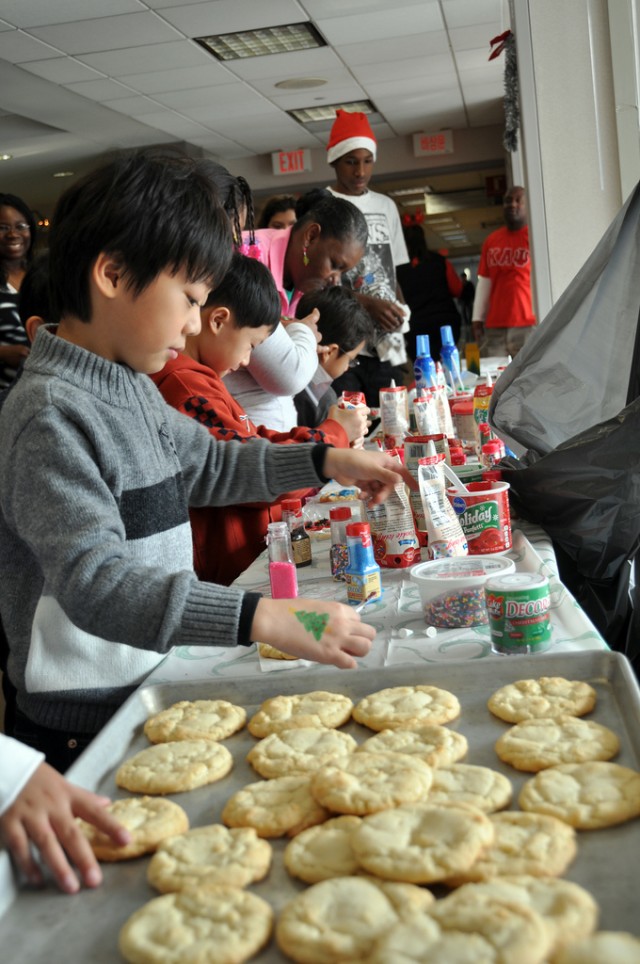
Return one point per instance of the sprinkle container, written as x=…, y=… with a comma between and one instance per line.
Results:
x=518, y=608
x=452, y=590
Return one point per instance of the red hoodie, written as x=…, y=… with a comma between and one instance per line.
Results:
x=227, y=540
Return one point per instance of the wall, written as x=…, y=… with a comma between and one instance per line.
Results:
x=569, y=140
x=478, y=147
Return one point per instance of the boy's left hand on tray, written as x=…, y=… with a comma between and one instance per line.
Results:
x=323, y=631
x=44, y=814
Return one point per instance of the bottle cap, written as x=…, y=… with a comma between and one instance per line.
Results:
x=457, y=457
x=492, y=447
x=492, y=475
x=340, y=513
x=291, y=505
x=358, y=529
x=446, y=335
x=423, y=347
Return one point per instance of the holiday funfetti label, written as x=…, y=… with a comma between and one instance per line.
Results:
x=484, y=517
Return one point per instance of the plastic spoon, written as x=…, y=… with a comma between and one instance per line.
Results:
x=453, y=478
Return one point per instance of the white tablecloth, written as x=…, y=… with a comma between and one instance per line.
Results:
x=399, y=607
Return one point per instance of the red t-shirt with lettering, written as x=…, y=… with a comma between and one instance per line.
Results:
x=505, y=261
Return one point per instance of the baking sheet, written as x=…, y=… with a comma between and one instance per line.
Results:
x=50, y=927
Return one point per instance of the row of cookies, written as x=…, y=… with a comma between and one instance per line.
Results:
x=410, y=702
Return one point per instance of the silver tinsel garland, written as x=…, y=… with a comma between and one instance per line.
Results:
x=506, y=41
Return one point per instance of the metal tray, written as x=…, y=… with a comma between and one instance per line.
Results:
x=49, y=927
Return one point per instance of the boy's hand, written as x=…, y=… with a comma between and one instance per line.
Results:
x=310, y=320
x=353, y=420
x=326, y=632
x=44, y=814
x=376, y=473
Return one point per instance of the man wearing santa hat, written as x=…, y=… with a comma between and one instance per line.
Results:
x=351, y=152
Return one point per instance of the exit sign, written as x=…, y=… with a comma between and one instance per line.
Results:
x=291, y=162
x=429, y=144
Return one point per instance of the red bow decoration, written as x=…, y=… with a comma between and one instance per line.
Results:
x=502, y=41
x=410, y=219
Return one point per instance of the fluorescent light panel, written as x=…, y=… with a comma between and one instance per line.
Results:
x=311, y=115
x=260, y=43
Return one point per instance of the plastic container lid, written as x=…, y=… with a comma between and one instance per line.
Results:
x=358, y=528
x=340, y=513
x=492, y=447
x=463, y=570
x=464, y=407
x=291, y=505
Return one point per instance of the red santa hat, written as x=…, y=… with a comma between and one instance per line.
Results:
x=349, y=132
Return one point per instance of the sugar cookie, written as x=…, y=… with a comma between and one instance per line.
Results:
x=421, y=843
x=586, y=795
x=480, y=787
x=537, y=744
x=209, y=855
x=174, y=767
x=422, y=941
x=214, y=923
x=299, y=750
x=275, y=807
x=604, y=947
x=516, y=932
x=436, y=745
x=406, y=706
x=568, y=910
x=367, y=782
x=195, y=720
x=547, y=696
x=149, y=820
x=542, y=848
x=324, y=851
x=318, y=708
x=339, y=920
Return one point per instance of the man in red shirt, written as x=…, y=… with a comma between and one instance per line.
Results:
x=503, y=315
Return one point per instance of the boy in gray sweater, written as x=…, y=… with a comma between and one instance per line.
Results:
x=97, y=472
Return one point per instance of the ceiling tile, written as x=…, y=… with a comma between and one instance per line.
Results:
x=393, y=48
x=36, y=13
x=225, y=96
x=418, y=68
x=334, y=93
x=100, y=90
x=183, y=78
x=141, y=60
x=17, y=47
x=61, y=70
x=135, y=106
x=340, y=8
x=229, y=16
x=221, y=147
x=472, y=38
x=463, y=13
x=392, y=22
x=220, y=111
x=108, y=33
x=172, y=123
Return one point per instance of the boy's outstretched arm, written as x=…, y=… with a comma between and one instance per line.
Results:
x=323, y=631
x=376, y=473
x=44, y=815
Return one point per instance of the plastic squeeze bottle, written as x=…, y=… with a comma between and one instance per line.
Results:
x=362, y=574
x=424, y=367
x=450, y=357
x=300, y=539
x=282, y=570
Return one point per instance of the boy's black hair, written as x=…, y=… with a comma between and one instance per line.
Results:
x=276, y=205
x=343, y=321
x=338, y=218
x=154, y=212
x=13, y=201
x=33, y=298
x=249, y=291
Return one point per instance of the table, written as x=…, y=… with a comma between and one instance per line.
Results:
x=399, y=608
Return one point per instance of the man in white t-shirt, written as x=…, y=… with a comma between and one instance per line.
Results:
x=351, y=152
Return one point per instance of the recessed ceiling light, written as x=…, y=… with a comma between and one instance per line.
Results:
x=259, y=43
x=300, y=83
x=310, y=115
x=5, y=157
x=64, y=174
